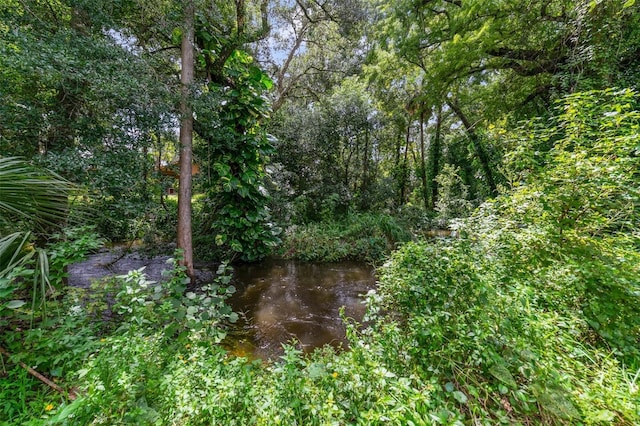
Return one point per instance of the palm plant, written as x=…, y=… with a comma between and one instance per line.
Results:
x=31, y=200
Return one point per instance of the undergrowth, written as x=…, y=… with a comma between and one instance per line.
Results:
x=530, y=316
x=365, y=237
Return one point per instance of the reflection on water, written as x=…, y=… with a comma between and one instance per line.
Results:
x=285, y=300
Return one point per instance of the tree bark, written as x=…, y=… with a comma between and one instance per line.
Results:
x=423, y=163
x=366, y=160
x=186, y=142
x=435, y=158
x=404, y=167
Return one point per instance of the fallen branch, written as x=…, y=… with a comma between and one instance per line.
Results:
x=70, y=394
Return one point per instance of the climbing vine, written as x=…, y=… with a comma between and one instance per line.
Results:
x=235, y=219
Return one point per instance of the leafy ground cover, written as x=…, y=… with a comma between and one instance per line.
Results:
x=531, y=316
x=365, y=237
x=457, y=338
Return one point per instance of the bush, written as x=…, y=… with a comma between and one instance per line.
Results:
x=534, y=316
x=363, y=237
x=530, y=317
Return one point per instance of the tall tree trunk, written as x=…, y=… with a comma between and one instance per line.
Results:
x=435, y=158
x=477, y=145
x=398, y=148
x=396, y=162
x=423, y=163
x=186, y=142
x=145, y=173
x=346, y=158
x=366, y=173
x=159, y=174
x=404, y=167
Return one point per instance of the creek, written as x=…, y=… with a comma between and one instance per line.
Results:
x=285, y=301
x=278, y=301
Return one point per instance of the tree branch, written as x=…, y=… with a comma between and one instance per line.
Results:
x=454, y=2
x=70, y=394
x=545, y=15
x=536, y=61
x=162, y=49
x=306, y=13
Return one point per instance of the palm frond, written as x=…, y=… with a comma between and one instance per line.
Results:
x=38, y=197
x=14, y=252
x=30, y=200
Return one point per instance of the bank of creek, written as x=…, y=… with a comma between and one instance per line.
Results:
x=278, y=301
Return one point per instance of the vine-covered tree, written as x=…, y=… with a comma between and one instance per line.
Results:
x=95, y=92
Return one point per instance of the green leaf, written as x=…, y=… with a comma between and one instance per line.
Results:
x=556, y=401
x=501, y=373
x=316, y=370
x=220, y=239
x=603, y=416
x=15, y=304
x=460, y=397
x=4, y=292
x=176, y=36
x=266, y=81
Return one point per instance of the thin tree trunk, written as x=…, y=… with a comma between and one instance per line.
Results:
x=158, y=165
x=396, y=163
x=186, y=142
x=145, y=173
x=435, y=158
x=366, y=174
x=423, y=164
x=480, y=152
x=347, y=163
x=357, y=154
x=403, y=169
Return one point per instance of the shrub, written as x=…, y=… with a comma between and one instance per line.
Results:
x=534, y=315
x=363, y=237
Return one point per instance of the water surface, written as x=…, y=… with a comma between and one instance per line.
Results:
x=285, y=300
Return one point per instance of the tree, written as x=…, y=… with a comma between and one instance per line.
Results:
x=499, y=62
x=84, y=103
x=305, y=53
x=226, y=111
x=231, y=109
x=98, y=110
x=186, y=141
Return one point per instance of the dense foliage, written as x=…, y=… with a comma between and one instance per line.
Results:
x=235, y=217
x=530, y=316
x=533, y=316
x=357, y=237
x=325, y=131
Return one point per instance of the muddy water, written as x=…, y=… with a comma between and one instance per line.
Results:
x=279, y=301
x=283, y=301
